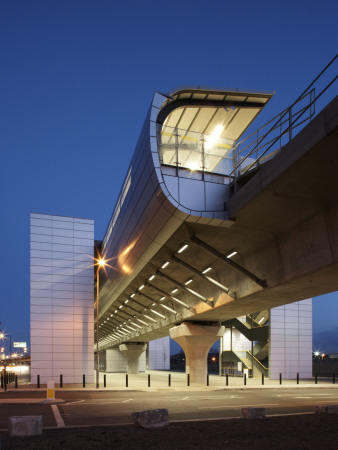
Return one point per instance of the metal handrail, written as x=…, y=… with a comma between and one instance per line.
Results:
x=285, y=117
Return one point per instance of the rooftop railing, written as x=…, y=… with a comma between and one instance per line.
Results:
x=268, y=140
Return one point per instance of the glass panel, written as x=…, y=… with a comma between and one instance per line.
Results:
x=195, y=151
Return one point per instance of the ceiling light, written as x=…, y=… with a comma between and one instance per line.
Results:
x=165, y=265
x=188, y=282
x=182, y=248
x=162, y=298
x=141, y=287
x=132, y=295
x=206, y=270
x=155, y=312
x=152, y=277
x=169, y=309
x=174, y=290
x=232, y=254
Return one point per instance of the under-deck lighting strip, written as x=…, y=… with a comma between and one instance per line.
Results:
x=169, y=309
x=231, y=254
x=165, y=265
x=150, y=318
x=181, y=250
x=155, y=312
x=145, y=323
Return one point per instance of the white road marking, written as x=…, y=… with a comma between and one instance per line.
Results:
x=73, y=403
x=302, y=397
x=100, y=403
x=238, y=406
x=58, y=419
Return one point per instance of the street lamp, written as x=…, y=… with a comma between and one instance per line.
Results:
x=101, y=263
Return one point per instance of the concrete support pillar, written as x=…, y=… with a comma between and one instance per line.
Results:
x=196, y=340
x=132, y=353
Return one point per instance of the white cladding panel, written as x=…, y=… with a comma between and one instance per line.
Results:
x=159, y=354
x=290, y=347
x=62, y=298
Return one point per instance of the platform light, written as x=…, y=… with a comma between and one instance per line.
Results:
x=232, y=254
x=181, y=250
x=174, y=291
x=151, y=278
x=160, y=315
x=141, y=287
x=206, y=270
x=188, y=282
x=165, y=265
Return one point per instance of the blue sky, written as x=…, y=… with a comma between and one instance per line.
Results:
x=77, y=78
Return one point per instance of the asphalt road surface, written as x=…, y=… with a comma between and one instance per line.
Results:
x=107, y=408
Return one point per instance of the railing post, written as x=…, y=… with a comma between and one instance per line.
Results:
x=188, y=379
x=16, y=382
x=290, y=122
x=334, y=378
x=245, y=379
x=207, y=379
x=2, y=380
x=316, y=378
x=104, y=381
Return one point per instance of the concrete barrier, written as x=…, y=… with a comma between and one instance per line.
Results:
x=25, y=425
x=153, y=418
x=253, y=413
x=326, y=409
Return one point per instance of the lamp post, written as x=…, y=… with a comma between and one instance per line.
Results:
x=100, y=262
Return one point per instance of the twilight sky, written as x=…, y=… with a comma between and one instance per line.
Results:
x=77, y=78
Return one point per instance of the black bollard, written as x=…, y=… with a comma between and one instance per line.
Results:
x=280, y=378
x=227, y=379
x=148, y=379
x=169, y=380
x=38, y=381
x=16, y=382
x=245, y=379
x=2, y=380
x=84, y=380
x=207, y=379
x=262, y=378
x=316, y=380
x=188, y=379
x=297, y=378
x=126, y=380
x=61, y=381
x=334, y=378
x=104, y=381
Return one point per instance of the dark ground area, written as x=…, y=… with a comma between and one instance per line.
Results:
x=313, y=431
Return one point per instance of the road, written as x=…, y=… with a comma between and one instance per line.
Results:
x=105, y=408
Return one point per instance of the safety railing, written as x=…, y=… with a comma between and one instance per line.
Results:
x=268, y=140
